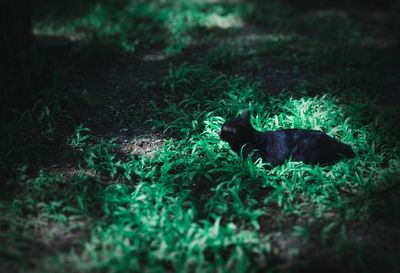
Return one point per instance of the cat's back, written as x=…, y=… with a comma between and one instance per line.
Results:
x=289, y=135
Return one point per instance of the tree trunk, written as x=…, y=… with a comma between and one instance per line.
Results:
x=15, y=51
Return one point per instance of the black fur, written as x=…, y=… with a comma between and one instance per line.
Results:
x=309, y=146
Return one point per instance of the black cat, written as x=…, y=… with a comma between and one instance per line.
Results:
x=309, y=146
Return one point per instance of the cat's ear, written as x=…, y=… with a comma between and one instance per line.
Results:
x=245, y=115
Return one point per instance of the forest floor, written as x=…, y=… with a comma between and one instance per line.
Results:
x=119, y=167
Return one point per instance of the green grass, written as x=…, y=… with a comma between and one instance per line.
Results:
x=132, y=26
x=194, y=205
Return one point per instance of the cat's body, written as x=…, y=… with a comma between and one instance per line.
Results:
x=309, y=146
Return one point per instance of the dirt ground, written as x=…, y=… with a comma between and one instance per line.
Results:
x=111, y=93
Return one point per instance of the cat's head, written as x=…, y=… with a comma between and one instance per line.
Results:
x=235, y=129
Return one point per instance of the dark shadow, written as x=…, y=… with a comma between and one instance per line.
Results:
x=68, y=10
x=342, y=45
